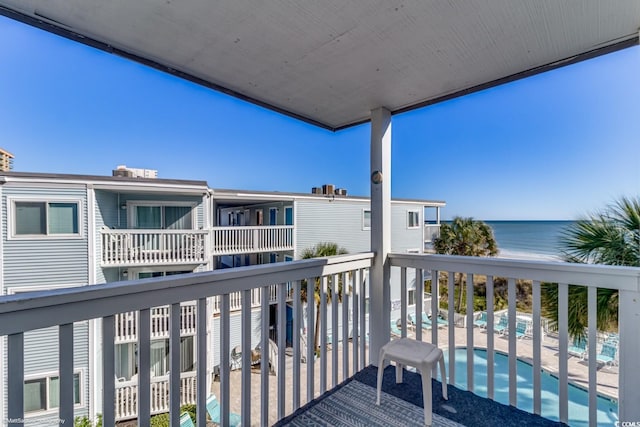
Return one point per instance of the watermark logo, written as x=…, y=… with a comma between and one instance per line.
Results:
x=627, y=424
x=22, y=421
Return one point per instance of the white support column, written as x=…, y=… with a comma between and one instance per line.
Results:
x=380, y=305
x=629, y=378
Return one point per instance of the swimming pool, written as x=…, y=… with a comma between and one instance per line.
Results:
x=578, y=397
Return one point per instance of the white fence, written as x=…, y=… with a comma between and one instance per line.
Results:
x=148, y=247
x=128, y=248
x=103, y=303
x=242, y=240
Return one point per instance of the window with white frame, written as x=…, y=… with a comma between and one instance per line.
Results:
x=43, y=393
x=413, y=219
x=162, y=215
x=37, y=218
x=366, y=219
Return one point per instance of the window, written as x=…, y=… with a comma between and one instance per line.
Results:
x=413, y=219
x=35, y=218
x=160, y=356
x=366, y=219
x=43, y=394
x=163, y=217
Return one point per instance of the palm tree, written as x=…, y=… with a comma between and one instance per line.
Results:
x=320, y=250
x=611, y=237
x=468, y=237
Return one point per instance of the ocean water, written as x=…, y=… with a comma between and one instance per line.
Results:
x=529, y=239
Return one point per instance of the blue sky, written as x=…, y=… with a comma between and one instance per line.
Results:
x=554, y=146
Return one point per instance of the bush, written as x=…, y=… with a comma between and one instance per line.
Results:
x=86, y=422
x=162, y=420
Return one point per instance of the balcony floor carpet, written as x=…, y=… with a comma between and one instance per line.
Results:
x=352, y=403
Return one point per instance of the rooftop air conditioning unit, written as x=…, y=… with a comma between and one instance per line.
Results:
x=316, y=190
x=328, y=189
x=125, y=173
x=341, y=191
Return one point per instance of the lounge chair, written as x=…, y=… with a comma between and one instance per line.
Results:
x=607, y=354
x=213, y=409
x=578, y=348
x=423, y=324
x=439, y=320
x=521, y=329
x=185, y=420
x=502, y=325
x=426, y=322
x=481, y=321
x=394, y=328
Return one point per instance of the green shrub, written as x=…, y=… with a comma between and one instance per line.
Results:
x=86, y=422
x=160, y=420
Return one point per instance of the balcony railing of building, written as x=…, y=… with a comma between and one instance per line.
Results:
x=625, y=280
x=22, y=313
x=151, y=247
x=126, y=392
x=254, y=239
x=126, y=324
x=133, y=247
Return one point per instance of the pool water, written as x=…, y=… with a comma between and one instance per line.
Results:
x=578, y=397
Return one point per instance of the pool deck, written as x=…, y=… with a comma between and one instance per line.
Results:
x=578, y=369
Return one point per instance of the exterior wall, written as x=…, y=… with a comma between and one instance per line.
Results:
x=41, y=263
x=339, y=221
x=49, y=260
x=403, y=238
x=106, y=212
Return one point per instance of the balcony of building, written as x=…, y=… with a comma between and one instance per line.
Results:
x=135, y=247
x=291, y=379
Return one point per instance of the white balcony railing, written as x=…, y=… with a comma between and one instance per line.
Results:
x=103, y=303
x=132, y=247
x=243, y=240
x=22, y=313
x=235, y=298
x=152, y=247
x=126, y=324
x=126, y=392
x=624, y=279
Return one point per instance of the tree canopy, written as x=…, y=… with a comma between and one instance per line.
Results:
x=466, y=236
x=610, y=237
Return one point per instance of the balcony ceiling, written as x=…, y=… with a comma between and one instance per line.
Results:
x=330, y=62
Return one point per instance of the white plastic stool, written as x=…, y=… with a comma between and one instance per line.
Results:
x=420, y=355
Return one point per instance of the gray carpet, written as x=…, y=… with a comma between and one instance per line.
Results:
x=354, y=404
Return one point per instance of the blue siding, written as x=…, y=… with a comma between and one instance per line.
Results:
x=46, y=261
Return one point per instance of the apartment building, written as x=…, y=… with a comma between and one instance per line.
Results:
x=73, y=230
